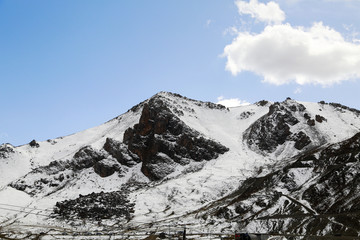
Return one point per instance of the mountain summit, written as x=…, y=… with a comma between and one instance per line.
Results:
x=286, y=167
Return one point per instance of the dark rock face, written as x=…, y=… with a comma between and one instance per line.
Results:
x=262, y=103
x=120, y=152
x=320, y=194
x=6, y=150
x=96, y=206
x=106, y=167
x=161, y=141
x=86, y=157
x=319, y=118
x=311, y=122
x=301, y=140
x=33, y=143
x=338, y=188
x=273, y=129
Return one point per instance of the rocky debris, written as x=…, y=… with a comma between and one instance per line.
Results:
x=120, y=152
x=320, y=119
x=33, y=144
x=311, y=122
x=307, y=116
x=320, y=192
x=301, y=140
x=36, y=182
x=262, y=103
x=339, y=107
x=173, y=98
x=96, y=206
x=6, y=150
x=198, y=103
x=162, y=141
x=245, y=115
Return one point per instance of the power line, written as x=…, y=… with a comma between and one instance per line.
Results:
x=14, y=210
x=39, y=209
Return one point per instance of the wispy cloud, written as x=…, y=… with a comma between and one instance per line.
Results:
x=269, y=13
x=298, y=90
x=231, y=102
x=208, y=22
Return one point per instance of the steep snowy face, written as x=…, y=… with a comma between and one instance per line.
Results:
x=316, y=194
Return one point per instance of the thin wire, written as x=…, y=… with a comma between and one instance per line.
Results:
x=8, y=209
x=26, y=207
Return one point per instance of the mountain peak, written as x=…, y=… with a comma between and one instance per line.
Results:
x=172, y=158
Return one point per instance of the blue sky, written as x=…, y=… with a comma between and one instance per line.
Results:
x=66, y=66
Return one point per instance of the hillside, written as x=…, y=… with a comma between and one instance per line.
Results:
x=284, y=167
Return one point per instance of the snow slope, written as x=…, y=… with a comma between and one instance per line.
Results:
x=188, y=188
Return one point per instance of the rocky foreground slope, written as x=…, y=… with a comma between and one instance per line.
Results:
x=284, y=167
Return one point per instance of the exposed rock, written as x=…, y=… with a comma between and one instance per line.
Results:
x=262, y=103
x=223, y=212
x=341, y=108
x=273, y=129
x=33, y=143
x=307, y=116
x=161, y=141
x=301, y=140
x=106, y=167
x=319, y=118
x=6, y=150
x=120, y=152
x=311, y=122
x=86, y=157
x=245, y=115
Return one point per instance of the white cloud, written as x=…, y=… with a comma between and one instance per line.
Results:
x=231, y=102
x=208, y=22
x=283, y=54
x=269, y=13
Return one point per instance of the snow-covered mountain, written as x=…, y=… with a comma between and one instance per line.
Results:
x=284, y=167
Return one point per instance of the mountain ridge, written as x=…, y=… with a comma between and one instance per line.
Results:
x=173, y=156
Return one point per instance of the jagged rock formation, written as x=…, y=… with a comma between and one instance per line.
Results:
x=284, y=124
x=162, y=140
x=274, y=128
x=6, y=150
x=121, y=153
x=86, y=157
x=159, y=142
